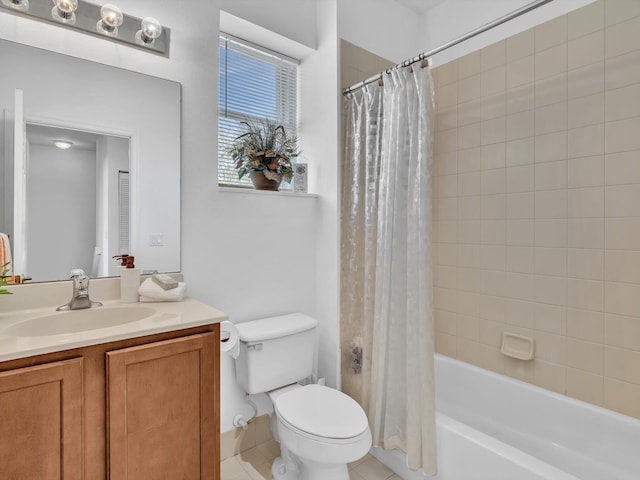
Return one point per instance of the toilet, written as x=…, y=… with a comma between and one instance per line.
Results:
x=320, y=429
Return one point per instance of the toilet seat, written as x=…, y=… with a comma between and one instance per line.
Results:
x=326, y=441
x=321, y=413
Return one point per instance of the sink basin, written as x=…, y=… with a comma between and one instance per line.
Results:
x=75, y=321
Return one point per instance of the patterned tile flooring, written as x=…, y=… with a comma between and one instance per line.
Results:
x=255, y=464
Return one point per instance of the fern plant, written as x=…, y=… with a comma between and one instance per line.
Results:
x=264, y=147
x=3, y=279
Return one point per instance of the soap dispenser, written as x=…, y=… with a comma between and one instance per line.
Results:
x=129, y=279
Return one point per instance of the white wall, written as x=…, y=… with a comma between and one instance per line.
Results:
x=397, y=33
x=319, y=131
x=454, y=18
x=60, y=229
x=383, y=27
x=277, y=15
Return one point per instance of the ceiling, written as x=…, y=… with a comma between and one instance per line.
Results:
x=45, y=135
x=420, y=6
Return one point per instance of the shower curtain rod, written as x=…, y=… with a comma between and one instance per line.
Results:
x=425, y=55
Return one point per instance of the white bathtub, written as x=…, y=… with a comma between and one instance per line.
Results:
x=492, y=427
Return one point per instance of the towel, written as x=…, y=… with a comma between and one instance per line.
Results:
x=151, y=292
x=5, y=254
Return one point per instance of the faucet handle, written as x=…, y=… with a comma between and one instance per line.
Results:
x=77, y=273
x=80, y=297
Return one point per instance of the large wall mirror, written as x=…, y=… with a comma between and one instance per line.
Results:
x=115, y=188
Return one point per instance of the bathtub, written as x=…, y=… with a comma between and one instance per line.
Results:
x=492, y=427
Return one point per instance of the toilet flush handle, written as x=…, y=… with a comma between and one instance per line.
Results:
x=255, y=346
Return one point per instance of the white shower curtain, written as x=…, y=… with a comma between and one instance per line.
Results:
x=387, y=258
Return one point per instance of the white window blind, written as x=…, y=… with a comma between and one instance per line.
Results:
x=254, y=85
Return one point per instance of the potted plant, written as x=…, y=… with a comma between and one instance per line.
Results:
x=264, y=151
x=3, y=279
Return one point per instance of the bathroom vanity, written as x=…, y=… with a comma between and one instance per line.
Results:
x=138, y=399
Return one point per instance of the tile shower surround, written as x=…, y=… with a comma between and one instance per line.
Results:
x=537, y=204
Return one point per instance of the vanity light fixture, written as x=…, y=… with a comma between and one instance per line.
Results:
x=107, y=22
x=111, y=19
x=22, y=5
x=63, y=144
x=65, y=11
x=150, y=29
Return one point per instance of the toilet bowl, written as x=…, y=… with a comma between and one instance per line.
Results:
x=320, y=431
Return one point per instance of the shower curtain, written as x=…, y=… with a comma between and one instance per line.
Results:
x=386, y=253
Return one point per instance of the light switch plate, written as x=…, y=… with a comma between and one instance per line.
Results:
x=157, y=240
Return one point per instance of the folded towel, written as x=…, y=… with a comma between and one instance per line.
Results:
x=151, y=292
x=157, y=300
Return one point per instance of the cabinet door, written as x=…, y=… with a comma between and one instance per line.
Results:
x=41, y=422
x=163, y=410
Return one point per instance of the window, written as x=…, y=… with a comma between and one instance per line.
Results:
x=254, y=84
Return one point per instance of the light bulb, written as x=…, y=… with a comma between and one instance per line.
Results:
x=17, y=4
x=64, y=11
x=111, y=19
x=150, y=29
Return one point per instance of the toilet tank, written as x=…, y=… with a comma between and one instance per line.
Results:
x=275, y=351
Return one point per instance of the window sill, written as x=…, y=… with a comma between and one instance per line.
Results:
x=251, y=191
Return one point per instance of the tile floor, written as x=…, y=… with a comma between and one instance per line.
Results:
x=255, y=464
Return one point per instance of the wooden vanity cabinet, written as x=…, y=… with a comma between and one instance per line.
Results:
x=41, y=422
x=160, y=410
x=135, y=409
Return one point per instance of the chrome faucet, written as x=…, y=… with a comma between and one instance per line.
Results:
x=80, y=298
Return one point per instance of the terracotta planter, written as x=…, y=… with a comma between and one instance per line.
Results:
x=260, y=182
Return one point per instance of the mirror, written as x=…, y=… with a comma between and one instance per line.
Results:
x=65, y=209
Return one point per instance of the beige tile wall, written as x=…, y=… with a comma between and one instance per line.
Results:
x=537, y=204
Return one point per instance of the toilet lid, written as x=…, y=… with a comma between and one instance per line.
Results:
x=322, y=411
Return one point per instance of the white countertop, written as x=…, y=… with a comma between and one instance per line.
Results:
x=168, y=316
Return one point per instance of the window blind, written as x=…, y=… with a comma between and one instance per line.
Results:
x=255, y=84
